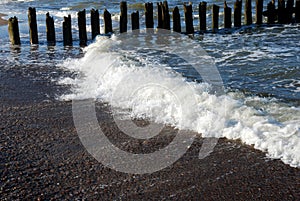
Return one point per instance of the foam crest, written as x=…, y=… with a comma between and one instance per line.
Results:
x=146, y=89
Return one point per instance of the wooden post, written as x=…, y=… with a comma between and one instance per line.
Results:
x=281, y=12
x=259, y=11
x=123, y=17
x=67, y=31
x=215, y=18
x=227, y=16
x=33, y=32
x=166, y=16
x=149, y=15
x=50, y=29
x=135, y=20
x=159, y=15
x=238, y=13
x=271, y=12
x=107, y=22
x=202, y=15
x=188, y=15
x=13, y=31
x=297, y=11
x=95, y=23
x=176, y=20
x=248, y=12
x=82, y=28
x=289, y=11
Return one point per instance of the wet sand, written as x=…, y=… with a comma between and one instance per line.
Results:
x=43, y=158
x=2, y=21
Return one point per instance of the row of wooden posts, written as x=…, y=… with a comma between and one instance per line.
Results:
x=283, y=14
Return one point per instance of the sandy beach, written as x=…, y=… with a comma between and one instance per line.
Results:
x=2, y=21
x=43, y=158
x=256, y=65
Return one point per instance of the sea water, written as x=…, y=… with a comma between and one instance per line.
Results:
x=259, y=69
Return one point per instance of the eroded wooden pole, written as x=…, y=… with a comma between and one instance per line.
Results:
x=50, y=30
x=13, y=31
x=123, y=17
x=159, y=15
x=271, y=12
x=166, y=15
x=107, y=22
x=176, y=20
x=215, y=18
x=67, y=31
x=202, y=15
x=238, y=13
x=259, y=11
x=227, y=16
x=297, y=11
x=135, y=20
x=248, y=12
x=82, y=28
x=33, y=32
x=289, y=11
x=281, y=12
x=188, y=15
x=95, y=23
x=149, y=15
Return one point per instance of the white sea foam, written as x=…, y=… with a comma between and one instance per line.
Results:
x=154, y=91
x=66, y=8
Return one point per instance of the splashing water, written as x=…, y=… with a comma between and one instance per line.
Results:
x=266, y=123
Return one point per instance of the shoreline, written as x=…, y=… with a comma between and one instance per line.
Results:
x=3, y=22
x=42, y=157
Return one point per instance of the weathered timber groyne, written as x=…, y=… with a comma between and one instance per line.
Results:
x=286, y=12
